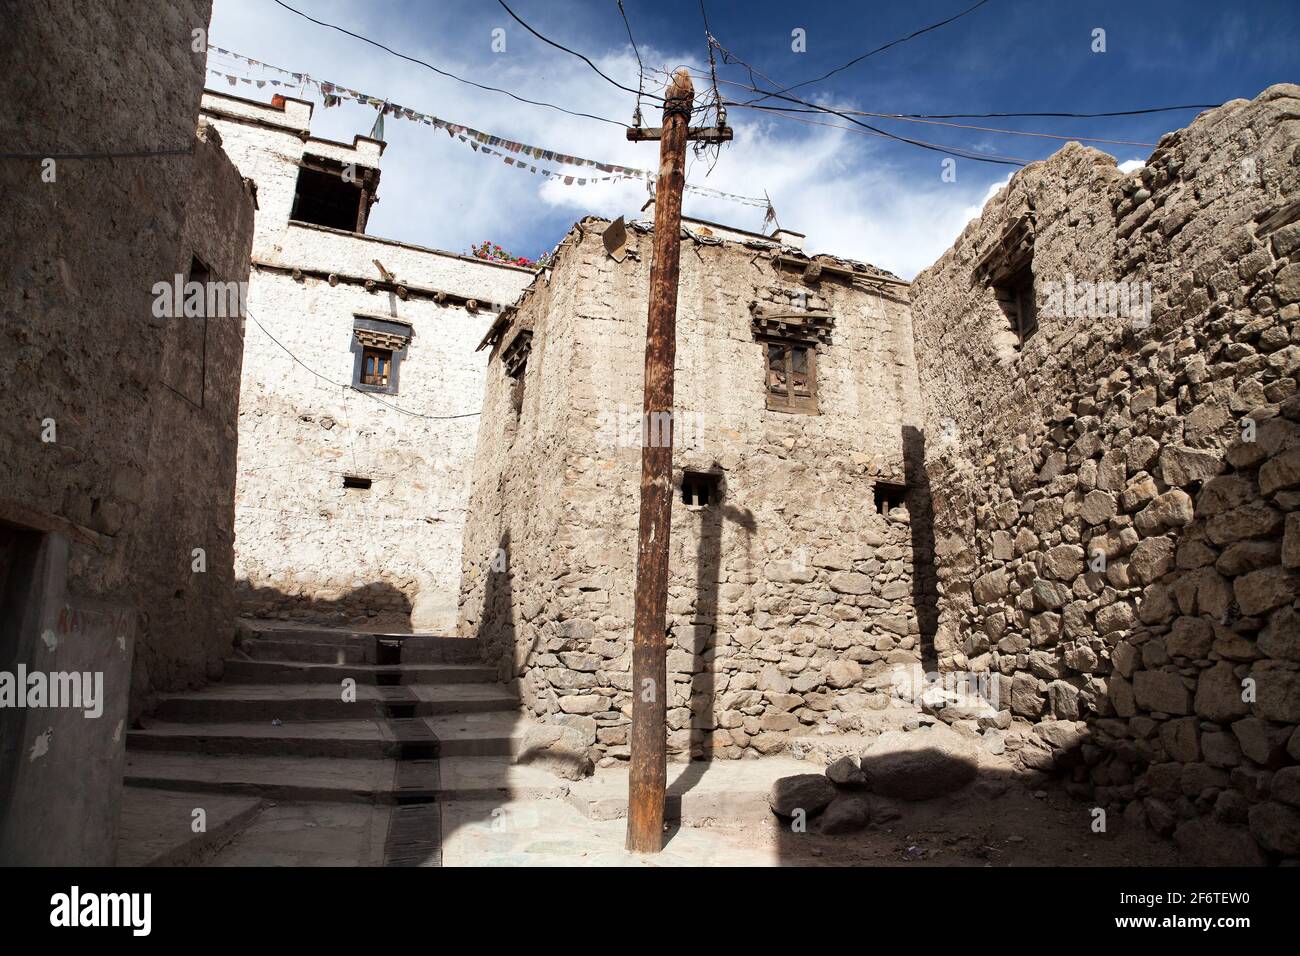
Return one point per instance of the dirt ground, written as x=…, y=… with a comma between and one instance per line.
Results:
x=975, y=827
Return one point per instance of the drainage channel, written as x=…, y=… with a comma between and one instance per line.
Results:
x=415, y=824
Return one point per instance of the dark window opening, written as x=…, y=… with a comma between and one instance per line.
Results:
x=791, y=377
x=327, y=199
x=889, y=496
x=701, y=488
x=376, y=366
x=352, y=481
x=1016, y=297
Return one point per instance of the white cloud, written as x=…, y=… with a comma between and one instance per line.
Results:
x=853, y=195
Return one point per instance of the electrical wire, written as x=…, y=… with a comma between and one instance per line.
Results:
x=879, y=49
x=330, y=381
x=560, y=46
x=460, y=79
x=983, y=129
x=640, y=86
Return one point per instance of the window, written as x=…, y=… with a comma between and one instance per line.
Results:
x=353, y=481
x=701, y=488
x=1016, y=297
x=378, y=346
x=889, y=496
x=376, y=365
x=791, y=378
x=334, y=194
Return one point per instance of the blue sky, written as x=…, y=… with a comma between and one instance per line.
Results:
x=853, y=194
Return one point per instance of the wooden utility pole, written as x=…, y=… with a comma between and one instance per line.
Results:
x=648, y=773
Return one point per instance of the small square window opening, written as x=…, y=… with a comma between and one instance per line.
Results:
x=353, y=481
x=701, y=489
x=889, y=496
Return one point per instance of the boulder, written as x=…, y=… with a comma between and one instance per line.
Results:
x=845, y=772
x=809, y=792
x=919, y=765
x=561, y=750
x=847, y=813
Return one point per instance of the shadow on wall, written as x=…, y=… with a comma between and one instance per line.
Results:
x=378, y=606
x=925, y=596
x=700, y=638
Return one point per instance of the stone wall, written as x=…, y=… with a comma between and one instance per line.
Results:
x=309, y=548
x=140, y=469
x=1116, y=502
x=790, y=600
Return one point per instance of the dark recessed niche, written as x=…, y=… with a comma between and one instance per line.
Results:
x=701, y=488
x=352, y=481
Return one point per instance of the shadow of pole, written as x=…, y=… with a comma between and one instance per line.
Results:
x=925, y=596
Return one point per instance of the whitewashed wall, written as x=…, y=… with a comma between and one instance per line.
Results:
x=306, y=547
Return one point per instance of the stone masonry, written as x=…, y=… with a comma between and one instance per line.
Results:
x=1117, y=498
x=141, y=471
x=313, y=544
x=117, y=413
x=791, y=597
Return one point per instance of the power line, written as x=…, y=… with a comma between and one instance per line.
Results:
x=560, y=46
x=330, y=381
x=713, y=66
x=869, y=131
x=728, y=56
x=460, y=79
x=640, y=85
x=482, y=137
x=1153, y=109
x=935, y=122
x=879, y=49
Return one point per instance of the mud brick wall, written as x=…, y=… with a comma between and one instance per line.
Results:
x=1116, y=502
x=142, y=468
x=790, y=599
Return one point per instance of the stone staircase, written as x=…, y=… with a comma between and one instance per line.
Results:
x=427, y=724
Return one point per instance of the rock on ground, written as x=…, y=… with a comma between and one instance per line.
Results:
x=809, y=792
x=921, y=764
x=561, y=750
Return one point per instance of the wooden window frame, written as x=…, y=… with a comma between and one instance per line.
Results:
x=1015, y=295
x=787, y=399
x=384, y=356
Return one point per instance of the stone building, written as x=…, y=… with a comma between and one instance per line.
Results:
x=117, y=407
x=797, y=521
x=361, y=386
x=1108, y=365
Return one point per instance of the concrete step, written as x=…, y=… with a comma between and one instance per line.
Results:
x=156, y=827
x=344, y=779
x=262, y=671
x=303, y=652
x=267, y=641
x=486, y=734
x=285, y=702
